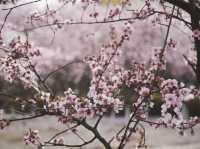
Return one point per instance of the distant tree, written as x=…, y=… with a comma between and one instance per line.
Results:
x=19, y=63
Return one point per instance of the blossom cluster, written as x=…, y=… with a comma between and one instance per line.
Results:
x=174, y=94
x=59, y=141
x=106, y=79
x=32, y=137
x=16, y=61
x=196, y=34
x=4, y=123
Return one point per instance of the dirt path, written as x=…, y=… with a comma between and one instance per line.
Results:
x=12, y=137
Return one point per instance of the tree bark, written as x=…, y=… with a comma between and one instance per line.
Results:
x=195, y=25
x=194, y=11
x=186, y=6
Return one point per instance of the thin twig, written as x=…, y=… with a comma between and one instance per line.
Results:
x=104, y=21
x=121, y=145
x=62, y=132
x=59, y=68
x=167, y=34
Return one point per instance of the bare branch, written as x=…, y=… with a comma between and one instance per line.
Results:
x=109, y=21
x=98, y=121
x=62, y=132
x=20, y=5
x=96, y=133
x=167, y=34
x=191, y=64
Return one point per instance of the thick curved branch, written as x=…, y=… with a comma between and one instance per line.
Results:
x=95, y=132
x=188, y=7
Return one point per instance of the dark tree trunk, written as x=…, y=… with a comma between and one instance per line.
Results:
x=193, y=9
x=195, y=25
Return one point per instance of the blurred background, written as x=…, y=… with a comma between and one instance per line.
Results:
x=60, y=46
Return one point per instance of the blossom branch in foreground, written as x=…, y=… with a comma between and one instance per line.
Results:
x=108, y=78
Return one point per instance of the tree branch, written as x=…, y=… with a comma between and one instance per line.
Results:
x=96, y=133
x=20, y=5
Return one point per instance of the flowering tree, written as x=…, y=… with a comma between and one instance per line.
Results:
x=19, y=63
